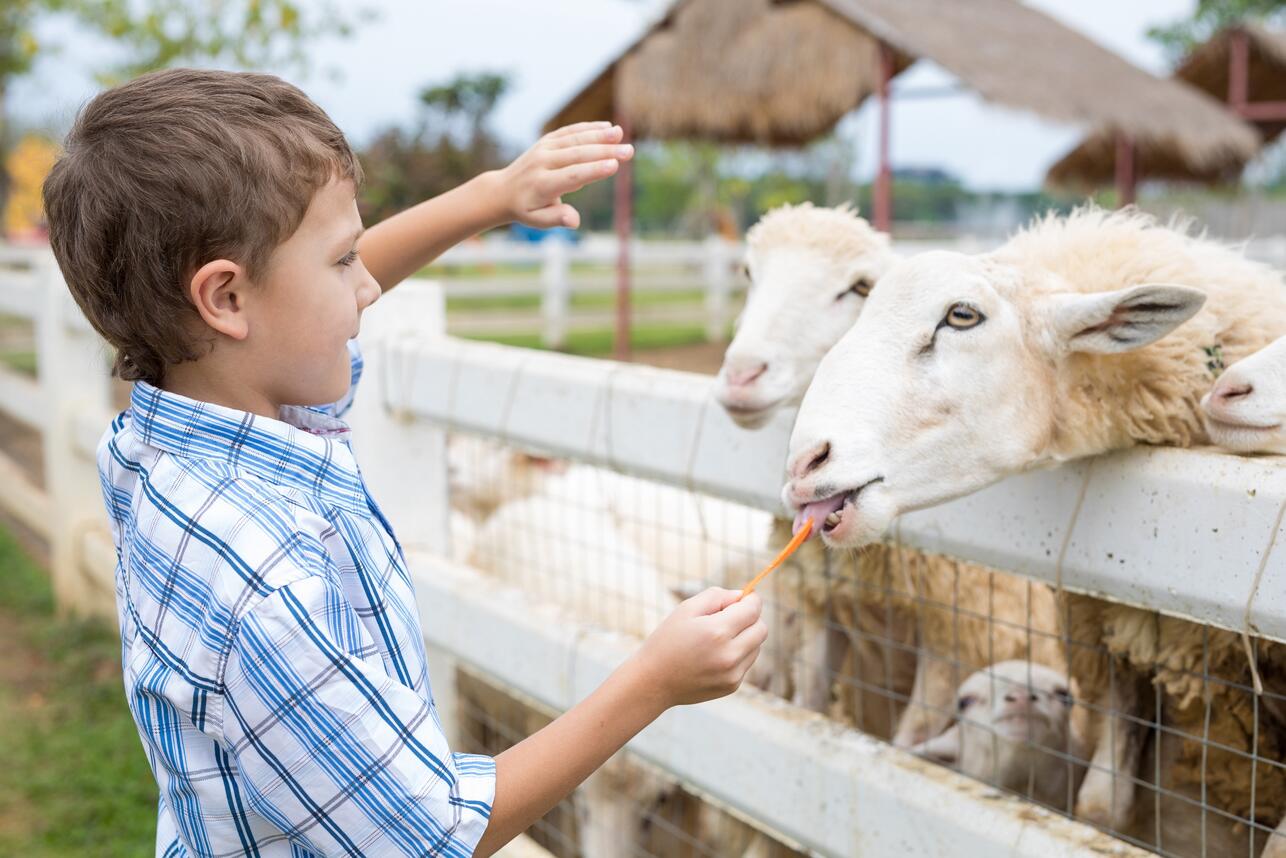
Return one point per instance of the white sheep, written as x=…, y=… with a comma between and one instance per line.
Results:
x=1245, y=411
x=812, y=270
x=1060, y=345
x=1014, y=729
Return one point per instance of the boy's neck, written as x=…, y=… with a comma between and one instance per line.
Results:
x=204, y=382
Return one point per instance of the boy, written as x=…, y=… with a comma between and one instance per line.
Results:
x=206, y=224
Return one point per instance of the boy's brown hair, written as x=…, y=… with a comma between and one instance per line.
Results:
x=168, y=172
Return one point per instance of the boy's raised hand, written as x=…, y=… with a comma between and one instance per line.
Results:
x=561, y=162
x=704, y=648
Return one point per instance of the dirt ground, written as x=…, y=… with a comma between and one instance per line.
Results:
x=700, y=357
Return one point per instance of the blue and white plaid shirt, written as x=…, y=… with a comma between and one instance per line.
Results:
x=273, y=656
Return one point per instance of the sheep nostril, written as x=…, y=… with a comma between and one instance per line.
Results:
x=1235, y=391
x=743, y=377
x=819, y=458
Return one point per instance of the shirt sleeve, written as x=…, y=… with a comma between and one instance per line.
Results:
x=334, y=752
x=355, y=365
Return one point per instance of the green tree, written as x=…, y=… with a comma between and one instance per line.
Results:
x=1210, y=17
x=154, y=34
x=449, y=142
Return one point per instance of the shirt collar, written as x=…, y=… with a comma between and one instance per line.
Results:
x=304, y=450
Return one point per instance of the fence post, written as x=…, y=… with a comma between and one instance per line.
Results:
x=555, y=279
x=71, y=364
x=718, y=283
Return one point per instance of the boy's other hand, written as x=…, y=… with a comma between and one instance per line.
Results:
x=704, y=648
x=531, y=188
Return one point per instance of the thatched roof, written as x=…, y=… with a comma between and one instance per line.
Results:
x=1205, y=68
x=781, y=75
x=783, y=71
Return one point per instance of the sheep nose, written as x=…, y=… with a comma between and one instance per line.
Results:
x=740, y=376
x=1228, y=390
x=810, y=460
x=1017, y=696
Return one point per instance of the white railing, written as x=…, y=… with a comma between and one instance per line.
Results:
x=71, y=388
x=555, y=270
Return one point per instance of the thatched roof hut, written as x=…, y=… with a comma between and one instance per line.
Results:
x=782, y=73
x=1207, y=68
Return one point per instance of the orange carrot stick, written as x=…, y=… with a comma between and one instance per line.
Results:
x=791, y=548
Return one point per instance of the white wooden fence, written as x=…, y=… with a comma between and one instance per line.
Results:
x=1192, y=524
x=68, y=404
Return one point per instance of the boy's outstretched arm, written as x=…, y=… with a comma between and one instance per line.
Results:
x=700, y=652
x=529, y=191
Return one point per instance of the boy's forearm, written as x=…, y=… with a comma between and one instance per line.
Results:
x=540, y=771
x=396, y=248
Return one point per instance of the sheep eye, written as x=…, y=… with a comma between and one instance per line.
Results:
x=965, y=702
x=1063, y=695
x=962, y=317
x=744, y=270
x=861, y=287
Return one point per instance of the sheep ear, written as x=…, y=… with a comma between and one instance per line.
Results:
x=1121, y=321
x=943, y=748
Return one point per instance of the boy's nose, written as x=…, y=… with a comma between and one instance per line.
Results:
x=368, y=293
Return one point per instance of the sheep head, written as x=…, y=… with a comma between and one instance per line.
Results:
x=1245, y=411
x=949, y=381
x=811, y=270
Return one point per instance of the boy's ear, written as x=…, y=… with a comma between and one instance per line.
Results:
x=217, y=291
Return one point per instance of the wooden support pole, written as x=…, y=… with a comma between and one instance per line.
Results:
x=624, y=217
x=1238, y=70
x=884, y=176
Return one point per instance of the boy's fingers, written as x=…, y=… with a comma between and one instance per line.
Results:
x=559, y=214
x=576, y=128
x=739, y=616
x=710, y=601
x=577, y=176
x=753, y=636
x=581, y=138
x=560, y=158
x=743, y=666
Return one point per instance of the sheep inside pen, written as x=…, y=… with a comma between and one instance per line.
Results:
x=580, y=542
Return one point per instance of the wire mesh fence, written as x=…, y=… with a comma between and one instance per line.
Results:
x=1147, y=726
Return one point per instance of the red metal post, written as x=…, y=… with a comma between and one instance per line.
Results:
x=624, y=217
x=1238, y=70
x=884, y=176
x=1125, y=177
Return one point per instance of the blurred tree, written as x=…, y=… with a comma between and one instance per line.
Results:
x=27, y=165
x=449, y=143
x=1210, y=17
x=154, y=34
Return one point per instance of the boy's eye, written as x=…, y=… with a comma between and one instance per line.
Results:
x=348, y=258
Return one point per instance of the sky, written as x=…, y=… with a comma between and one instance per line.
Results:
x=553, y=47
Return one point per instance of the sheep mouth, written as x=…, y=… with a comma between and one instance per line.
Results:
x=830, y=514
x=1239, y=426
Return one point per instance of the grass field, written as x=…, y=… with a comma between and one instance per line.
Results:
x=74, y=780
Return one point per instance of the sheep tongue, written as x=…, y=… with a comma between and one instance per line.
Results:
x=818, y=511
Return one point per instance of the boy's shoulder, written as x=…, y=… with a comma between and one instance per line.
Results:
x=204, y=530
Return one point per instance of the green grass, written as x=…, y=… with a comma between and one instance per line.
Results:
x=74, y=779
x=597, y=343
x=579, y=301
x=24, y=362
